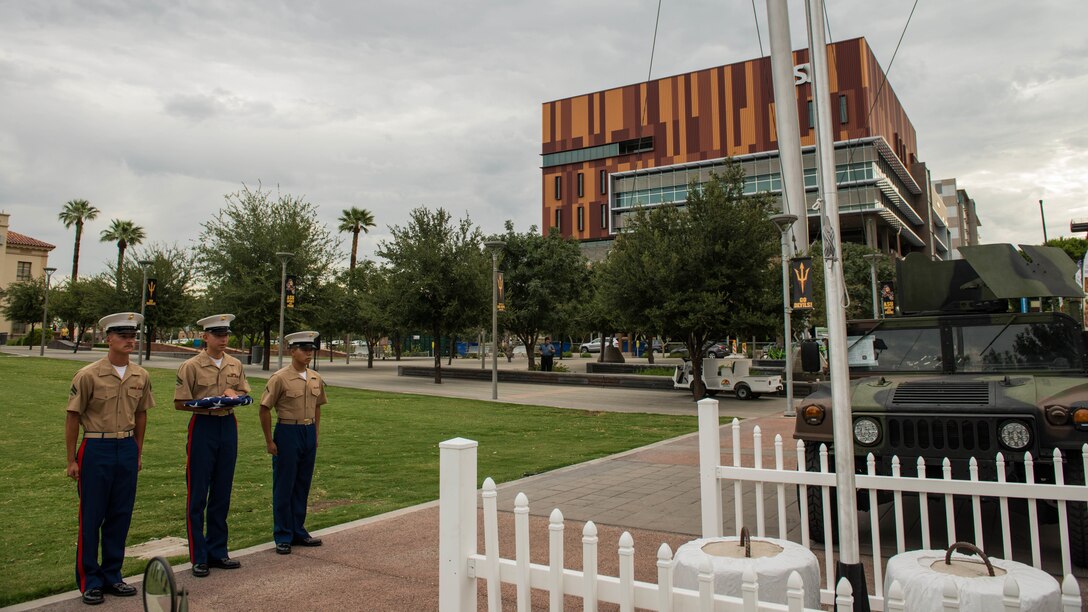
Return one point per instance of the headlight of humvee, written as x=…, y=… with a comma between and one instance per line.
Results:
x=1015, y=435
x=866, y=431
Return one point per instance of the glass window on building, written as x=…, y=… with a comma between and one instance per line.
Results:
x=581, y=217
x=604, y=182
x=558, y=219
x=604, y=214
x=558, y=188
x=581, y=185
x=22, y=272
x=843, y=116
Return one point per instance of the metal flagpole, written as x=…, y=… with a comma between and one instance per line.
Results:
x=849, y=564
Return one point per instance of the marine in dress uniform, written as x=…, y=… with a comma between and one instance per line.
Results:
x=296, y=393
x=212, y=447
x=109, y=400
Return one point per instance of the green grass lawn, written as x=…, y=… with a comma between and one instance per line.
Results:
x=378, y=452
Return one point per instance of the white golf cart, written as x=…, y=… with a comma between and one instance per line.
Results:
x=729, y=374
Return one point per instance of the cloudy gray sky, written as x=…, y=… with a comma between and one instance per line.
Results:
x=154, y=110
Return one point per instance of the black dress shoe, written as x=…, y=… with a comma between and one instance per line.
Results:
x=283, y=548
x=200, y=570
x=307, y=541
x=120, y=589
x=224, y=563
x=93, y=597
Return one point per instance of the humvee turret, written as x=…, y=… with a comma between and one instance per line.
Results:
x=960, y=374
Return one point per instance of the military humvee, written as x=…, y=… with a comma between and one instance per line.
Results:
x=960, y=375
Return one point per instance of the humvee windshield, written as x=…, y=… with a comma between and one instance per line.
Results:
x=966, y=344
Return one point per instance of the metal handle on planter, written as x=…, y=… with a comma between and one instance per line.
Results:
x=746, y=542
x=971, y=547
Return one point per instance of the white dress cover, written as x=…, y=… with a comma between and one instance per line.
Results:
x=923, y=586
x=772, y=572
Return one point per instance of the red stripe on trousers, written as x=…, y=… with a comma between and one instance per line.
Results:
x=79, y=537
x=189, y=488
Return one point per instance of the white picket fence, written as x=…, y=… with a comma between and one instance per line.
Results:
x=460, y=564
x=712, y=474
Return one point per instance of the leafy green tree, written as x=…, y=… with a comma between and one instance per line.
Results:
x=173, y=269
x=540, y=274
x=355, y=220
x=709, y=264
x=84, y=302
x=354, y=305
x=77, y=212
x=239, y=266
x=23, y=301
x=1074, y=247
x=439, y=274
x=125, y=234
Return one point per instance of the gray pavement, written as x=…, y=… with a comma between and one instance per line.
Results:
x=389, y=562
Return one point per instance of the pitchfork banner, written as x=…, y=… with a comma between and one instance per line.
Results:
x=801, y=283
x=152, y=295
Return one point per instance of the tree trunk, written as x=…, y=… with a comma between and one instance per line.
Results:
x=354, y=246
x=437, y=355
x=398, y=346
x=371, y=342
x=147, y=342
x=698, y=389
x=650, y=348
x=78, y=331
x=600, y=356
x=530, y=348
x=267, y=347
x=453, y=343
x=120, y=262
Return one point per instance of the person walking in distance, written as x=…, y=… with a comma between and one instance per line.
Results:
x=212, y=447
x=296, y=393
x=109, y=400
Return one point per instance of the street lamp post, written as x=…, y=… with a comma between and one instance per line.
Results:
x=45, y=308
x=784, y=223
x=495, y=246
x=144, y=265
x=284, y=256
x=873, y=258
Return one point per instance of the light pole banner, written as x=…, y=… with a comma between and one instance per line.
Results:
x=801, y=283
x=289, y=291
x=152, y=295
x=887, y=298
x=501, y=306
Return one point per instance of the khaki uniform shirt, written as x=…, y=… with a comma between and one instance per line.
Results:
x=199, y=377
x=292, y=397
x=106, y=403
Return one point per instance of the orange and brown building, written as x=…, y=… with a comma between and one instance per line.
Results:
x=606, y=153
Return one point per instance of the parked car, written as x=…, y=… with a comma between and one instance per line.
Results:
x=593, y=346
x=710, y=349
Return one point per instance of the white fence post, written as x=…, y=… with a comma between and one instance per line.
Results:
x=555, y=560
x=664, y=578
x=1070, y=594
x=627, y=572
x=709, y=457
x=844, y=596
x=761, y=521
x=589, y=567
x=795, y=592
x=457, y=524
x=491, y=545
x=521, y=550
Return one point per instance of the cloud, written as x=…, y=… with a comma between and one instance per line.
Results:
x=155, y=110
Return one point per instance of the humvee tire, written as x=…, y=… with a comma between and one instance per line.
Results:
x=815, y=501
x=1078, y=524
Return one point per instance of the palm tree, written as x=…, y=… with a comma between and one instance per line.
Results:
x=125, y=233
x=356, y=220
x=76, y=212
